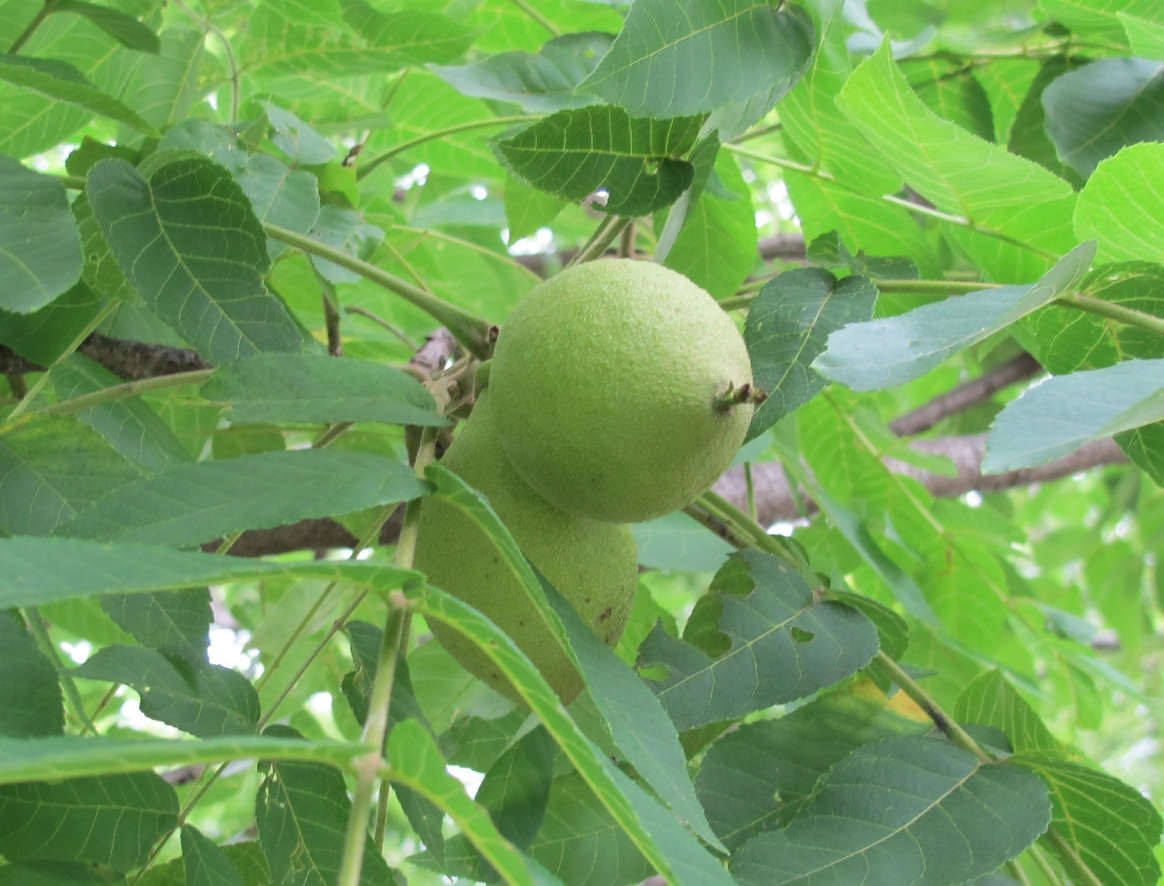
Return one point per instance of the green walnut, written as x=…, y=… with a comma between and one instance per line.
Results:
x=609, y=384
x=594, y=565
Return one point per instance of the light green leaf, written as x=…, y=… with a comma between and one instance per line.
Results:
x=205, y=864
x=574, y=153
x=891, y=351
x=246, y=858
x=914, y=810
x=1145, y=37
x=190, y=243
x=674, y=58
x=528, y=209
x=1006, y=81
x=284, y=388
x=30, y=694
x=281, y=196
x=345, y=230
x=218, y=143
x=990, y=700
x=1116, y=207
x=40, y=250
x=44, y=335
x=1098, y=19
x=125, y=29
x=296, y=139
x=677, y=541
x=164, y=87
x=952, y=92
x=1061, y=414
x=173, y=622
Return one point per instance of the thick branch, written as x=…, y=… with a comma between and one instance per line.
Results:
x=130, y=360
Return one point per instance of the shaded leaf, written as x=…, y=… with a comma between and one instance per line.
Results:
x=125, y=29
x=1028, y=135
x=677, y=541
x=30, y=694
x=164, y=87
x=44, y=335
x=296, y=139
x=205, y=864
x=100, y=271
x=952, y=92
x=528, y=209
x=58, y=873
x=218, y=143
x=345, y=230
x=281, y=196
x=516, y=788
x=173, y=622
x=990, y=700
x=366, y=640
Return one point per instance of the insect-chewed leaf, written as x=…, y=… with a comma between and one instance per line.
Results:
x=674, y=58
x=30, y=694
x=1111, y=827
x=40, y=249
x=288, y=388
x=991, y=701
x=789, y=322
x=635, y=159
x=755, y=778
x=199, y=698
x=904, y=810
x=190, y=243
x=113, y=820
x=757, y=639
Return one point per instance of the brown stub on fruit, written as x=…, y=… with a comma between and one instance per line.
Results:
x=733, y=397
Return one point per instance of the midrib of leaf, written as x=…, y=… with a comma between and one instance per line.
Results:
x=1073, y=825
x=295, y=818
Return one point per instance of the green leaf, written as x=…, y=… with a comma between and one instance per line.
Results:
x=58, y=873
x=366, y=640
x=205, y=864
x=128, y=425
x=282, y=388
x=1146, y=37
x=281, y=196
x=40, y=250
x=990, y=700
x=788, y=324
x=528, y=209
x=296, y=139
x=196, y=503
x=1098, y=19
x=754, y=779
x=61, y=81
x=1028, y=135
x=891, y=351
x=173, y=622
x=757, y=639
x=1117, y=209
x=951, y=91
x=516, y=788
x=301, y=811
x=190, y=243
x=1060, y=415
x=347, y=231
x=113, y=820
x=902, y=810
x=892, y=629
x=44, y=335
x=418, y=37
x=218, y=143
x=246, y=858
x=100, y=271
x=677, y=541
x=30, y=694
x=1111, y=827
x=541, y=82
x=71, y=757
x=1102, y=107
x=962, y=174
x=574, y=153
x=199, y=698
x=674, y=58
x=126, y=30
x=51, y=468
x=1007, y=82
x=164, y=87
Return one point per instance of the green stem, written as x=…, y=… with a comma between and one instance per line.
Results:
x=367, y=168
x=728, y=533
x=104, y=703
x=604, y=235
x=129, y=389
x=471, y=331
x=229, y=541
x=332, y=434
x=376, y=318
x=723, y=509
x=932, y=287
x=757, y=133
x=751, y=489
x=537, y=17
x=1077, y=868
x=36, y=622
x=73, y=182
x=1017, y=873
x=38, y=20
x=1044, y=865
x=1125, y=315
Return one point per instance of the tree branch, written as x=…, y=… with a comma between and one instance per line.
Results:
x=130, y=360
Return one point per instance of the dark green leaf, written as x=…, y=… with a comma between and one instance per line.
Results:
x=1100, y=108
x=190, y=243
x=913, y=810
x=30, y=694
x=674, y=58
x=113, y=820
x=199, y=698
x=541, y=82
x=517, y=787
x=357, y=686
x=58, y=873
x=218, y=143
x=1028, y=135
x=45, y=335
x=100, y=271
x=283, y=388
x=51, y=468
x=574, y=153
x=677, y=541
x=205, y=864
x=892, y=629
x=164, y=87
x=789, y=322
x=126, y=30
x=196, y=503
x=950, y=90
x=173, y=622
x=990, y=700
x=280, y=195
x=40, y=250
x=762, y=640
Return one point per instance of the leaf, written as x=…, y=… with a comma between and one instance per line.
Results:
x=246, y=858
x=418, y=37
x=113, y=820
x=366, y=640
x=893, y=350
x=541, y=82
x=296, y=139
x=573, y=153
x=346, y=231
x=989, y=700
x=301, y=811
x=173, y=622
x=1100, y=108
x=126, y=30
x=1111, y=827
x=205, y=864
x=30, y=694
x=100, y=271
x=164, y=87
x=52, y=467
x=1116, y=207
x=71, y=757
x=527, y=209
x=678, y=542
x=40, y=251
x=199, y=698
x=952, y=92
x=218, y=143
x=674, y=58
x=44, y=335
x=199, y=502
x=128, y=424
x=1058, y=416
x=788, y=324
x=189, y=242
x=1146, y=37
x=1097, y=18
x=1007, y=82
x=516, y=788
x=61, y=81
x=283, y=388
x=754, y=779
x=916, y=810
x=759, y=638
x=1028, y=135
x=58, y=873
x=280, y=196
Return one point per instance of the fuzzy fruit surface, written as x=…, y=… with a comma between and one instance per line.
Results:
x=603, y=380
x=594, y=565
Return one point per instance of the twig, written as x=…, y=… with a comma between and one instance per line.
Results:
x=367, y=168
x=626, y=242
x=375, y=318
x=38, y=20
x=129, y=389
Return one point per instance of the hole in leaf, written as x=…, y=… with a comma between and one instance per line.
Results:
x=800, y=635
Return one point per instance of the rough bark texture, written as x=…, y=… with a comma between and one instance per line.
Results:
x=129, y=360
